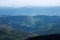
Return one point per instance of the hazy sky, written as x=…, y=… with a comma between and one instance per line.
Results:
x=21, y=3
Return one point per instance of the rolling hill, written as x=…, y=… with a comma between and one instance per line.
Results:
x=40, y=24
x=7, y=33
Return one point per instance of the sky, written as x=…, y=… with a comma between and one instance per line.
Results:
x=22, y=3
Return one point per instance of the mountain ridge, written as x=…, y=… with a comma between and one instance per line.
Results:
x=30, y=11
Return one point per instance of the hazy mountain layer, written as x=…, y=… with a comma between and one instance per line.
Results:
x=36, y=24
x=30, y=11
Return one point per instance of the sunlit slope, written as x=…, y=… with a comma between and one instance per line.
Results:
x=7, y=33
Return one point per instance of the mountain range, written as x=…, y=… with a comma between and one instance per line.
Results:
x=36, y=24
x=30, y=11
x=21, y=23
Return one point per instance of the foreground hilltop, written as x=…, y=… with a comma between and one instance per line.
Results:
x=46, y=37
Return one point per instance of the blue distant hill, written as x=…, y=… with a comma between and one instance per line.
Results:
x=30, y=11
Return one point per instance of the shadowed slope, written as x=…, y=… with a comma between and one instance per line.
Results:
x=46, y=37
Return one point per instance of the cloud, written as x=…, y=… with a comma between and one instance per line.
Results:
x=20, y=3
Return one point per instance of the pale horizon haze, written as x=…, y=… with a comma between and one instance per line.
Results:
x=22, y=3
